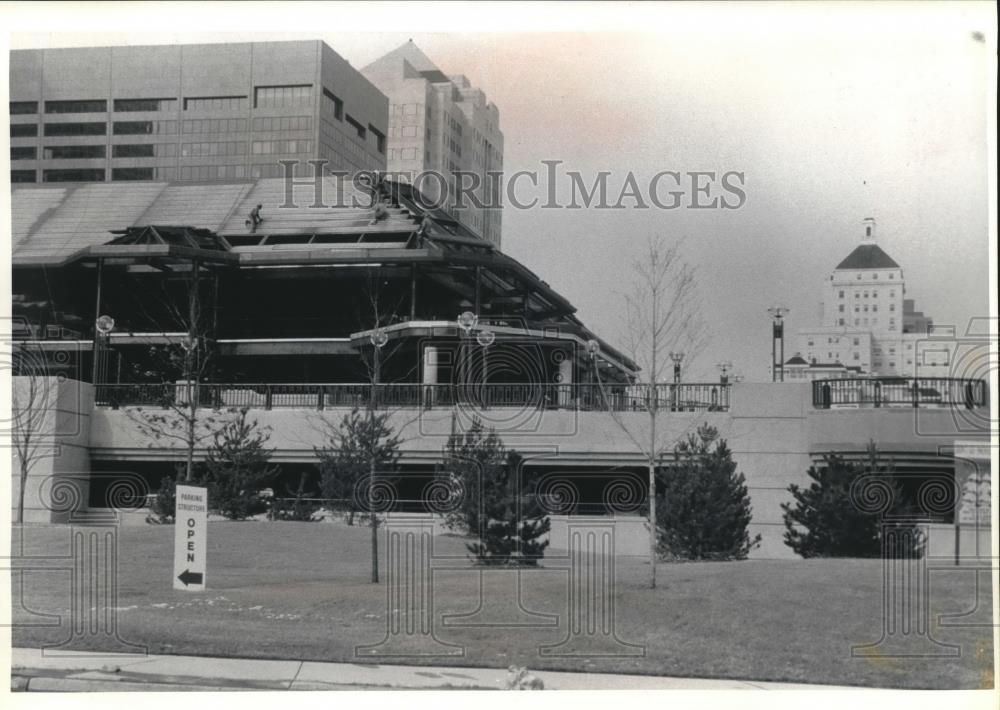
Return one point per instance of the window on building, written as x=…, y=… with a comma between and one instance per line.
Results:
x=74, y=152
x=409, y=131
x=841, y=294
x=282, y=96
x=76, y=129
x=23, y=130
x=215, y=125
x=220, y=148
x=216, y=103
x=379, y=138
x=359, y=129
x=840, y=321
x=841, y=307
x=87, y=106
x=219, y=172
x=282, y=123
x=332, y=102
x=136, y=150
x=287, y=146
x=874, y=307
x=23, y=153
x=129, y=105
x=132, y=173
x=80, y=175
x=23, y=108
x=134, y=128
x=22, y=176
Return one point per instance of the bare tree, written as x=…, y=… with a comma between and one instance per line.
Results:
x=662, y=317
x=32, y=426
x=178, y=417
x=371, y=437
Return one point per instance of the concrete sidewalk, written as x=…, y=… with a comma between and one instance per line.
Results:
x=86, y=671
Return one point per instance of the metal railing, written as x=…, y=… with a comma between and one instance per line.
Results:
x=900, y=392
x=587, y=397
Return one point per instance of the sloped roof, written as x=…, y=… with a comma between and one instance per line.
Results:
x=796, y=360
x=868, y=256
x=52, y=222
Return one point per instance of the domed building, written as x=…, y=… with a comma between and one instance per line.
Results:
x=868, y=326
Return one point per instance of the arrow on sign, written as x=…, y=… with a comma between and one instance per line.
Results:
x=189, y=577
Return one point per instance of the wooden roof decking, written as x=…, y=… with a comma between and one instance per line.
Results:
x=53, y=222
x=75, y=217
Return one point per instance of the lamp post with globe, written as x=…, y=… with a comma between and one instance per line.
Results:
x=378, y=338
x=103, y=327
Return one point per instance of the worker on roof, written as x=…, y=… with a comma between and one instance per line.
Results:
x=255, y=219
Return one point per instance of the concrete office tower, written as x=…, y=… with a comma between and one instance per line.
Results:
x=868, y=326
x=444, y=124
x=190, y=112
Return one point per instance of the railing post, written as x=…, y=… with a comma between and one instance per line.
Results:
x=267, y=397
x=878, y=394
x=321, y=397
x=916, y=393
x=825, y=397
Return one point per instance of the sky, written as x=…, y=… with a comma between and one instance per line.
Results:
x=833, y=113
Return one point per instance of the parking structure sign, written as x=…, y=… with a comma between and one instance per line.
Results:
x=190, y=533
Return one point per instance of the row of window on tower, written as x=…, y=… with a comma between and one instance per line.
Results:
x=264, y=97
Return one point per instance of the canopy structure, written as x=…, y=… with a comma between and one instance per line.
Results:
x=252, y=234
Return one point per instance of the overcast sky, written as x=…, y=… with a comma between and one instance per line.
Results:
x=833, y=115
x=828, y=127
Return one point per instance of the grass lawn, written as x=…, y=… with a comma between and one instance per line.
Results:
x=301, y=591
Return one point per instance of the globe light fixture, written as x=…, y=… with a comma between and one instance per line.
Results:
x=486, y=338
x=105, y=324
x=378, y=338
x=467, y=320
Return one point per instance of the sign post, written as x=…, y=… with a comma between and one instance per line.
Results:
x=190, y=534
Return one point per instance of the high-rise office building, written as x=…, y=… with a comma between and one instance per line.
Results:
x=443, y=124
x=190, y=112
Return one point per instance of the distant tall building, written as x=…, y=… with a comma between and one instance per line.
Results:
x=190, y=112
x=442, y=123
x=868, y=326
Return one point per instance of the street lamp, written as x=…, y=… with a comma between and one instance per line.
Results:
x=467, y=320
x=677, y=358
x=777, y=334
x=378, y=338
x=485, y=338
x=103, y=325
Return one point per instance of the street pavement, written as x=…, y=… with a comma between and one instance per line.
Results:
x=33, y=670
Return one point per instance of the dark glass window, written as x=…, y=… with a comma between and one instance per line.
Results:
x=20, y=108
x=379, y=138
x=356, y=126
x=216, y=103
x=76, y=129
x=23, y=153
x=82, y=175
x=282, y=96
x=74, y=152
x=132, y=173
x=23, y=176
x=89, y=106
x=145, y=104
x=336, y=103
x=23, y=130
x=129, y=128
x=133, y=151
